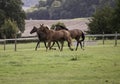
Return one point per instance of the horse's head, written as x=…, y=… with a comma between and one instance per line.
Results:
x=43, y=28
x=33, y=30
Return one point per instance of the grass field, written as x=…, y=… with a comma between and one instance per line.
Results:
x=99, y=64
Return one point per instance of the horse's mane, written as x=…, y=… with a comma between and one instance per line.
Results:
x=62, y=27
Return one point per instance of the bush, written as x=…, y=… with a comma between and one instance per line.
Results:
x=58, y=23
x=9, y=29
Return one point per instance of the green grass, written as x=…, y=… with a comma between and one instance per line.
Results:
x=98, y=64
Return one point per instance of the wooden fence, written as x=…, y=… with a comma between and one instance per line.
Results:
x=15, y=40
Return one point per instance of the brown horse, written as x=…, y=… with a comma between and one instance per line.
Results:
x=41, y=36
x=60, y=36
x=75, y=34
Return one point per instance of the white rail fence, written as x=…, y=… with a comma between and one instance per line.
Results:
x=15, y=40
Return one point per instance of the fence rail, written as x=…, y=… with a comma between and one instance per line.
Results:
x=116, y=35
x=100, y=35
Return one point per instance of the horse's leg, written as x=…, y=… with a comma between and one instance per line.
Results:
x=49, y=43
x=77, y=45
x=69, y=40
x=80, y=42
x=52, y=46
x=45, y=44
x=58, y=45
x=69, y=45
x=81, y=45
x=62, y=43
x=37, y=45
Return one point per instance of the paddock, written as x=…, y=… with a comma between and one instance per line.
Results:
x=98, y=64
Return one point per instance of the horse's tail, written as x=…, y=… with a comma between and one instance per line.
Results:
x=83, y=37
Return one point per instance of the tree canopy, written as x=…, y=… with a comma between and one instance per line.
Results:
x=12, y=10
x=105, y=20
x=64, y=9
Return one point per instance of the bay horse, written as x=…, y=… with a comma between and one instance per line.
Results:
x=75, y=34
x=60, y=36
x=41, y=36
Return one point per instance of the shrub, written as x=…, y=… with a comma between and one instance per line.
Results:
x=9, y=29
x=58, y=23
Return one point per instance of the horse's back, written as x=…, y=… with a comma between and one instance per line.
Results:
x=75, y=32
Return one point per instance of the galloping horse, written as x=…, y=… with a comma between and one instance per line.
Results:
x=75, y=34
x=41, y=36
x=60, y=36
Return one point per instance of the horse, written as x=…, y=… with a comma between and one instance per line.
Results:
x=60, y=36
x=41, y=36
x=75, y=34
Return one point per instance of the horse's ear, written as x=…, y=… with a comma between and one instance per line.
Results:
x=41, y=25
x=47, y=27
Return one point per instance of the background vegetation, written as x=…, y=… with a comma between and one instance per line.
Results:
x=12, y=10
x=105, y=20
x=64, y=9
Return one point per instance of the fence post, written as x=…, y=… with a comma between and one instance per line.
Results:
x=103, y=38
x=115, y=38
x=15, y=43
x=4, y=42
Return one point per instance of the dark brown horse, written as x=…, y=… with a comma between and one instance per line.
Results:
x=75, y=34
x=41, y=36
x=60, y=36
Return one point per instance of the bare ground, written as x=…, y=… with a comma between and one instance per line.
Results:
x=79, y=23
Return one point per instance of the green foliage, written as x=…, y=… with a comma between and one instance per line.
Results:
x=105, y=20
x=9, y=29
x=64, y=9
x=2, y=17
x=42, y=3
x=12, y=9
x=100, y=21
x=116, y=16
x=58, y=23
x=39, y=14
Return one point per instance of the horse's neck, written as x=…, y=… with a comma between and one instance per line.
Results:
x=38, y=32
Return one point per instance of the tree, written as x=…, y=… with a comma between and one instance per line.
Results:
x=100, y=21
x=105, y=20
x=12, y=9
x=116, y=15
x=64, y=9
x=41, y=4
x=38, y=14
